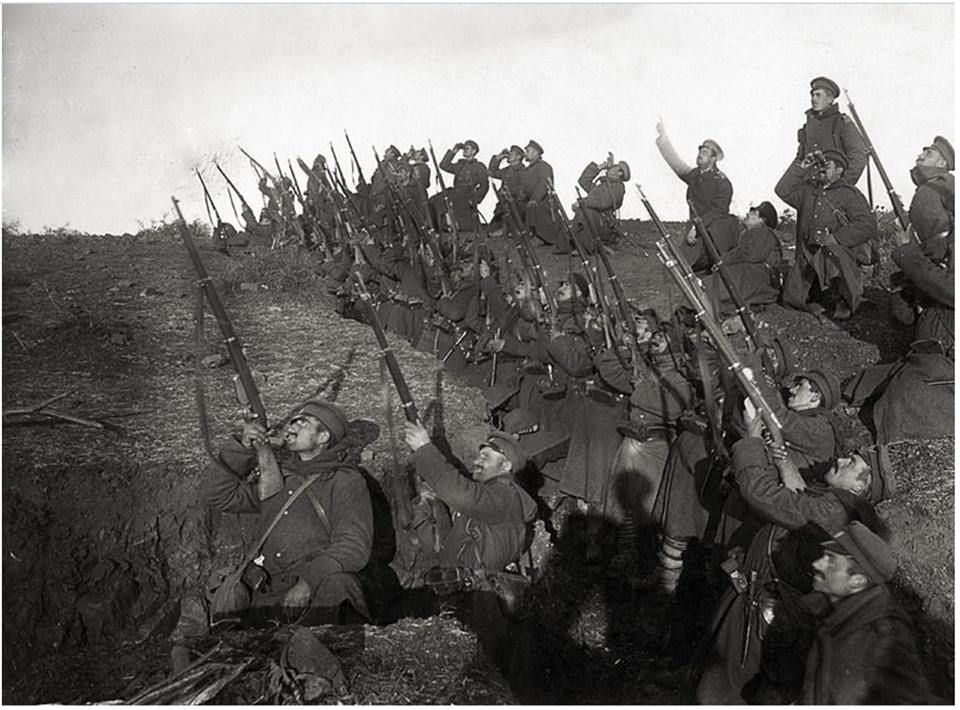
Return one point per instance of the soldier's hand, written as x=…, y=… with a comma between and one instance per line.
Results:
x=751, y=419
x=253, y=435
x=790, y=476
x=691, y=237
x=458, y=146
x=298, y=595
x=661, y=129
x=484, y=269
x=416, y=435
x=531, y=203
x=495, y=345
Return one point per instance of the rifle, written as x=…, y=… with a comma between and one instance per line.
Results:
x=425, y=235
x=243, y=203
x=451, y=215
x=271, y=480
x=539, y=275
x=753, y=338
x=872, y=153
x=363, y=180
x=361, y=220
x=409, y=408
x=233, y=206
x=310, y=214
x=593, y=278
x=693, y=290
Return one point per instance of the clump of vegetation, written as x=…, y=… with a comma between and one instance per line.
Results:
x=163, y=230
x=289, y=269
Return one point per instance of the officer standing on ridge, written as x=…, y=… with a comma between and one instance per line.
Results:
x=709, y=190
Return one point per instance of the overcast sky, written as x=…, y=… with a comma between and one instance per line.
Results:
x=107, y=108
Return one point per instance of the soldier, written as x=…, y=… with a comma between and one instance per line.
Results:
x=710, y=192
x=596, y=214
x=489, y=514
x=916, y=393
x=836, y=231
x=753, y=265
x=863, y=653
x=760, y=625
x=685, y=500
x=826, y=128
x=323, y=539
x=538, y=213
x=511, y=178
x=470, y=182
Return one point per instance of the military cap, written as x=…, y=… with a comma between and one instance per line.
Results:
x=503, y=443
x=536, y=146
x=827, y=385
x=822, y=82
x=768, y=214
x=624, y=168
x=516, y=149
x=883, y=481
x=872, y=555
x=645, y=311
x=476, y=148
x=330, y=416
x=714, y=146
x=396, y=151
x=837, y=157
x=943, y=147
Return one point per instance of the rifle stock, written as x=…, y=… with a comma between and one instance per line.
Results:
x=362, y=179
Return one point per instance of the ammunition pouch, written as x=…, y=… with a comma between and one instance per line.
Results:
x=604, y=395
x=694, y=423
x=450, y=580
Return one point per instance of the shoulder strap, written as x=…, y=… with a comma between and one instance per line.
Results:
x=273, y=523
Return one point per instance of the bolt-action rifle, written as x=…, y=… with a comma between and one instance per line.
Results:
x=218, y=230
x=271, y=480
x=753, y=338
x=872, y=153
x=362, y=179
x=693, y=290
x=248, y=214
x=451, y=215
x=590, y=271
x=396, y=374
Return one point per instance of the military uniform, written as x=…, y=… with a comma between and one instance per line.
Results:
x=511, y=180
x=489, y=520
x=754, y=269
x=327, y=553
x=595, y=216
x=470, y=185
x=830, y=129
x=767, y=627
x=541, y=218
x=843, y=211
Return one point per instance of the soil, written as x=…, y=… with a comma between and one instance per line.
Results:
x=103, y=531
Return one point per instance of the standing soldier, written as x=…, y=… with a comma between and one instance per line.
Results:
x=835, y=234
x=827, y=128
x=917, y=391
x=470, y=181
x=511, y=178
x=539, y=213
x=710, y=192
x=596, y=214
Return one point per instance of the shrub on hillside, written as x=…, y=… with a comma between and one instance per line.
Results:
x=288, y=269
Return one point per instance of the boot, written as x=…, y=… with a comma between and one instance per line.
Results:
x=666, y=574
x=625, y=558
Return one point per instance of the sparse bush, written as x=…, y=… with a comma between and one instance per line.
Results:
x=163, y=230
x=287, y=269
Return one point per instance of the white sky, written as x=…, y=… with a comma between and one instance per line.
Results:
x=107, y=108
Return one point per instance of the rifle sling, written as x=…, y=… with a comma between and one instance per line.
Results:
x=273, y=523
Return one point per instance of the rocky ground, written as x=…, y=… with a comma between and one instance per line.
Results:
x=103, y=532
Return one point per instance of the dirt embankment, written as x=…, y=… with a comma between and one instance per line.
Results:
x=103, y=528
